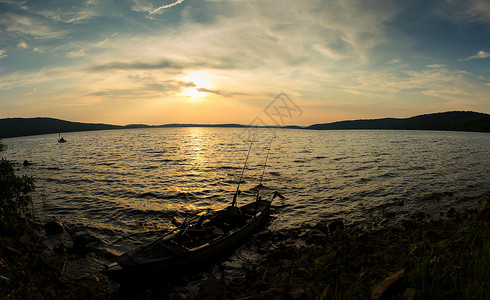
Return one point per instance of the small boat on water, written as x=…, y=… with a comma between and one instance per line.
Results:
x=192, y=244
x=61, y=139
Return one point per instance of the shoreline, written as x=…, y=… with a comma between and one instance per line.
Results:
x=431, y=259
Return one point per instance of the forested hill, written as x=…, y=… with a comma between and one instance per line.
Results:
x=451, y=121
x=12, y=127
x=456, y=120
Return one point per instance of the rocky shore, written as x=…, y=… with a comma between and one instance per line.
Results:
x=437, y=259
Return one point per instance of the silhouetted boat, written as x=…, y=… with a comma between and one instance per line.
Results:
x=192, y=244
x=61, y=139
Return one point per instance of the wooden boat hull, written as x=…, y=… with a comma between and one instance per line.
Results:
x=192, y=258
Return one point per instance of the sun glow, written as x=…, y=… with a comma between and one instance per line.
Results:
x=200, y=81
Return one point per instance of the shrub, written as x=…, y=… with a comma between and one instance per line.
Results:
x=15, y=199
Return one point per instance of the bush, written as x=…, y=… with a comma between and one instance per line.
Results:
x=15, y=199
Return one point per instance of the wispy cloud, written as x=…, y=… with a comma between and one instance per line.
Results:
x=3, y=53
x=106, y=40
x=166, y=6
x=136, y=65
x=481, y=54
x=29, y=26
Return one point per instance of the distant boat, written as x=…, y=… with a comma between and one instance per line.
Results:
x=61, y=139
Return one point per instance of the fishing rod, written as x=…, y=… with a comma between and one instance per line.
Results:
x=243, y=169
x=265, y=164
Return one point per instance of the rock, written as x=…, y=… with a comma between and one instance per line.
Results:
x=409, y=294
x=336, y=225
x=212, y=287
x=420, y=216
x=264, y=235
x=322, y=226
x=451, y=212
x=53, y=227
x=316, y=236
x=83, y=241
x=390, y=286
x=26, y=163
x=297, y=293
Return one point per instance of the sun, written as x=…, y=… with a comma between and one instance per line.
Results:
x=200, y=80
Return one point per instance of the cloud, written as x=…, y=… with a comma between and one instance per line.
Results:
x=76, y=53
x=465, y=10
x=3, y=53
x=435, y=81
x=166, y=6
x=481, y=54
x=29, y=26
x=136, y=65
x=22, y=45
x=106, y=40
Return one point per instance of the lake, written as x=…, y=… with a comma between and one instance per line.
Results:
x=125, y=186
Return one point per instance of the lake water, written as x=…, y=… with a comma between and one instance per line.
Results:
x=124, y=186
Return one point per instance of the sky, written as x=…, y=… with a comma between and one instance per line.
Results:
x=234, y=61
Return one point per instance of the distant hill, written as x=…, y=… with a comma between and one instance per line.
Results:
x=455, y=120
x=13, y=127
x=450, y=121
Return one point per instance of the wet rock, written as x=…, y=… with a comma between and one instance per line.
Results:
x=212, y=288
x=390, y=286
x=53, y=227
x=336, y=225
x=316, y=236
x=322, y=226
x=83, y=241
x=297, y=293
x=264, y=235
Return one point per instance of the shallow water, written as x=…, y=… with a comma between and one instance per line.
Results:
x=124, y=186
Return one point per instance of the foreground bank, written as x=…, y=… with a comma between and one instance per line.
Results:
x=417, y=260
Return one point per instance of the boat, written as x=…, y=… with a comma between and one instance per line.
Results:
x=61, y=139
x=192, y=244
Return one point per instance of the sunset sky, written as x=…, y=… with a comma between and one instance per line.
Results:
x=225, y=61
